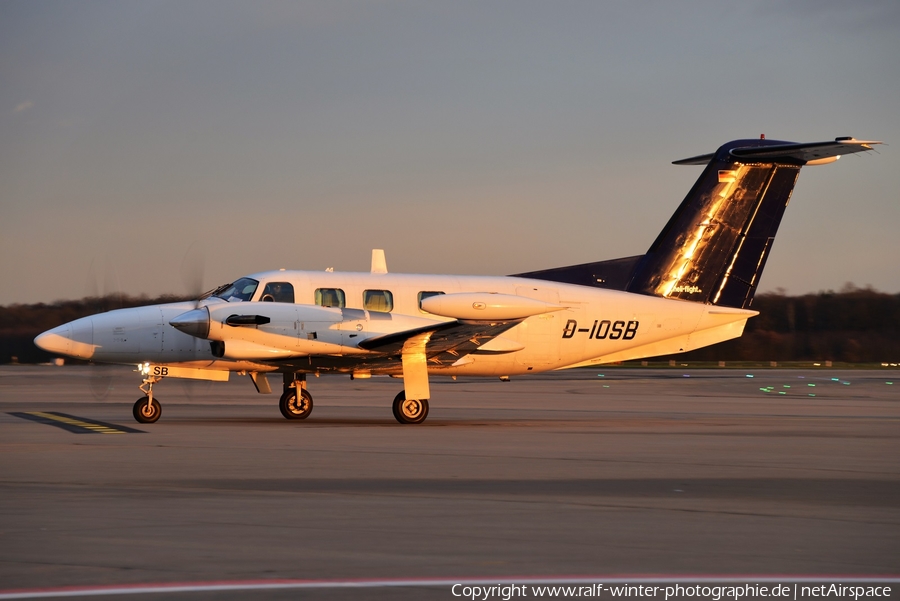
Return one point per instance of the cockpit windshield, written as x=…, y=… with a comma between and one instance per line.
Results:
x=241, y=290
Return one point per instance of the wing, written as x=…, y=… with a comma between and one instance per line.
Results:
x=445, y=343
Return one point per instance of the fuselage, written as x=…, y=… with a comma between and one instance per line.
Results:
x=595, y=326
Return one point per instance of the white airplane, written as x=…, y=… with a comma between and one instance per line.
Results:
x=693, y=288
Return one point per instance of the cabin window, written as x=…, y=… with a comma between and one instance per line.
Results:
x=241, y=290
x=330, y=297
x=278, y=292
x=378, y=300
x=424, y=295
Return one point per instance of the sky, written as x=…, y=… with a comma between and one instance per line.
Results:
x=145, y=143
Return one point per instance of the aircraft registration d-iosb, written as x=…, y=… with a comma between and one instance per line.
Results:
x=693, y=288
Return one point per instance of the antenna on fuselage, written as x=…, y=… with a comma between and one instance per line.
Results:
x=379, y=264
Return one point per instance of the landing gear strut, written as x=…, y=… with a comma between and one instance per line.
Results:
x=147, y=409
x=295, y=402
x=409, y=411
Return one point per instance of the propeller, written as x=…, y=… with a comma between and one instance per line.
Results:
x=106, y=296
x=101, y=377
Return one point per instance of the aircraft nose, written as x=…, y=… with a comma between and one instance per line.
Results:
x=194, y=322
x=56, y=340
x=74, y=339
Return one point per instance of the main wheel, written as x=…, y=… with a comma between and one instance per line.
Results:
x=146, y=412
x=294, y=407
x=409, y=411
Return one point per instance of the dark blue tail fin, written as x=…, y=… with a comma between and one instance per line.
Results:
x=714, y=248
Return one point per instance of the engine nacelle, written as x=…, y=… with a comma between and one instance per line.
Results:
x=281, y=329
x=486, y=306
x=260, y=331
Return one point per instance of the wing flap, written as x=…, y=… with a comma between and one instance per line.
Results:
x=456, y=338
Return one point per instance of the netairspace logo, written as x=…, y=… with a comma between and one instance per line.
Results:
x=678, y=591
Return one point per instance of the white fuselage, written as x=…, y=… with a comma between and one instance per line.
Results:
x=596, y=326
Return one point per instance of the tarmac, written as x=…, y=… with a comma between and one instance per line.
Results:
x=600, y=472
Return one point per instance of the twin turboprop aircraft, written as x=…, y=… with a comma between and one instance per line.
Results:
x=693, y=288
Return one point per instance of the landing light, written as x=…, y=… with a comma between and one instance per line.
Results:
x=143, y=368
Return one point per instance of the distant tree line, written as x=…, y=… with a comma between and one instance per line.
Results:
x=853, y=325
x=20, y=324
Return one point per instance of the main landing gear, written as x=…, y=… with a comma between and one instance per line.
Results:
x=295, y=402
x=409, y=411
x=147, y=409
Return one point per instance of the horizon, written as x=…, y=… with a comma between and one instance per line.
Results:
x=847, y=288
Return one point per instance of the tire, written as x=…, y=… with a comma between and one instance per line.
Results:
x=409, y=411
x=291, y=408
x=145, y=412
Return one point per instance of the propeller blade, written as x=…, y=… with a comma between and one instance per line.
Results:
x=192, y=270
x=100, y=378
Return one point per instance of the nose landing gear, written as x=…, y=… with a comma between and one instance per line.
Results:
x=147, y=409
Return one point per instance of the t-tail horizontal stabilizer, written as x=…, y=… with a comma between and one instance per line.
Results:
x=809, y=153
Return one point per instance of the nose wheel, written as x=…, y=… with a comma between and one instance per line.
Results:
x=147, y=409
x=409, y=411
